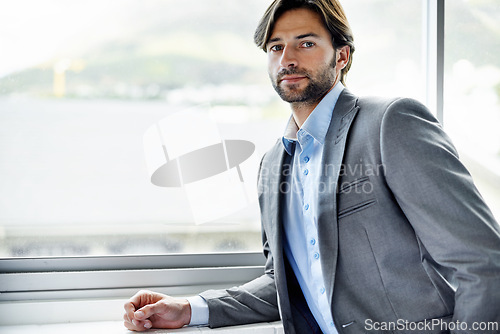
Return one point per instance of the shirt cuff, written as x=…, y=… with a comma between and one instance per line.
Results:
x=199, y=311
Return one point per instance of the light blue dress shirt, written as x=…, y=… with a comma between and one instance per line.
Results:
x=300, y=214
x=300, y=218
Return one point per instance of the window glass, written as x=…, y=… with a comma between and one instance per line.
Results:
x=472, y=90
x=388, y=58
x=83, y=83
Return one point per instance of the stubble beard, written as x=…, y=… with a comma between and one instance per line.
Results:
x=314, y=91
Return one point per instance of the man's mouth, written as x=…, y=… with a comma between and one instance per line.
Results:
x=291, y=78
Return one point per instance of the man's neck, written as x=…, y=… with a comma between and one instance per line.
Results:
x=302, y=110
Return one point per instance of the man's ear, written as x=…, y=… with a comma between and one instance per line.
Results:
x=342, y=56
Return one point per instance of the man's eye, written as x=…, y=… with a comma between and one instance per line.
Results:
x=276, y=48
x=308, y=44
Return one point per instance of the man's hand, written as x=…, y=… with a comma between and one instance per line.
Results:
x=149, y=309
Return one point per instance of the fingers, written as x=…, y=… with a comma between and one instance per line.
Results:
x=136, y=325
x=129, y=311
x=149, y=310
x=138, y=300
x=141, y=298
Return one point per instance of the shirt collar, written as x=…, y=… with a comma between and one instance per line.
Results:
x=317, y=123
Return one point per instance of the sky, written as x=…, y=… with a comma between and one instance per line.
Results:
x=33, y=31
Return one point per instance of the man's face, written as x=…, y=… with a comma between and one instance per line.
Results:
x=301, y=57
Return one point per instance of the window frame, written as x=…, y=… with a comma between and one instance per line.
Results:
x=57, y=278
x=433, y=48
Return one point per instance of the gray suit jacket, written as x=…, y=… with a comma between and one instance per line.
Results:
x=400, y=222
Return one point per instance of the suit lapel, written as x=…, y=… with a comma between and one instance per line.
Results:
x=280, y=161
x=343, y=114
x=279, y=164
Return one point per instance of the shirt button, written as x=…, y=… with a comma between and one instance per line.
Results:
x=306, y=159
x=332, y=324
x=313, y=242
x=306, y=171
x=316, y=255
x=322, y=290
x=306, y=207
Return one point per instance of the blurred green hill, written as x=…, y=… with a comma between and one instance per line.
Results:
x=164, y=45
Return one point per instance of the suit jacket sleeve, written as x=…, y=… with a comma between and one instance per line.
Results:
x=438, y=197
x=252, y=302
x=255, y=301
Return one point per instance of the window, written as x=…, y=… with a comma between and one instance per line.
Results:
x=388, y=60
x=80, y=85
x=472, y=91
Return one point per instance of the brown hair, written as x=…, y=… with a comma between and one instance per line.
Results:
x=331, y=12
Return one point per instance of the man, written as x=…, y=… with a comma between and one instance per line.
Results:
x=371, y=217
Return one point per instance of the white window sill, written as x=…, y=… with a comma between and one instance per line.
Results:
x=116, y=327
x=86, y=295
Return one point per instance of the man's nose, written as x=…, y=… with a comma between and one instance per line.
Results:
x=288, y=58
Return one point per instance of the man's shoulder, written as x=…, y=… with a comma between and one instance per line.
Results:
x=383, y=103
x=369, y=106
x=379, y=107
x=387, y=115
